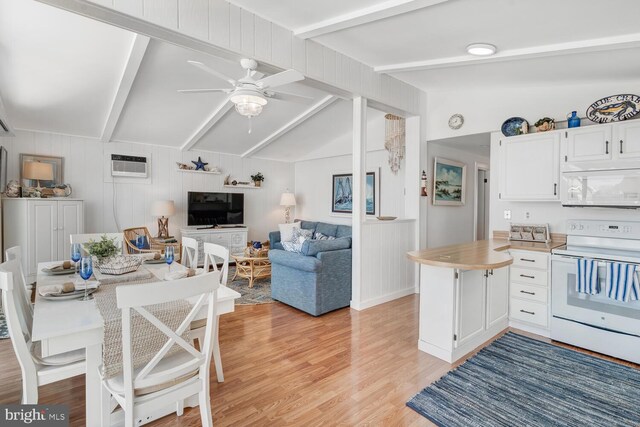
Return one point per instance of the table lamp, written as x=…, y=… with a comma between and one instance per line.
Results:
x=163, y=209
x=38, y=171
x=287, y=200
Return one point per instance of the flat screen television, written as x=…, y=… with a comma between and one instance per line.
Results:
x=210, y=209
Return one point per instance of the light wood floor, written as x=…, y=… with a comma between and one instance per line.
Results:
x=284, y=367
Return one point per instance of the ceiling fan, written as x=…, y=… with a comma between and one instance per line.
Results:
x=249, y=94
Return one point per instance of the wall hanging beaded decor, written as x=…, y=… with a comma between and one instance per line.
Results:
x=394, y=141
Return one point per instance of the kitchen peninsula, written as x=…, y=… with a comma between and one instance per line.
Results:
x=464, y=294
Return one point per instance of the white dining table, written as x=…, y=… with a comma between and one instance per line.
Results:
x=63, y=326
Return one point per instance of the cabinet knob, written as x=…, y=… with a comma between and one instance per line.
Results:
x=621, y=147
x=528, y=312
x=606, y=149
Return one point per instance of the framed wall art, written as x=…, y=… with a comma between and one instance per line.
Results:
x=449, y=182
x=56, y=167
x=342, y=193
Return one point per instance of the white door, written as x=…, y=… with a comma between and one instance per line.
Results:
x=43, y=233
x=627, y=140
x=70, y=221
x=497, y=296
x=470, y=305
x=589, y=143
x=530, y=167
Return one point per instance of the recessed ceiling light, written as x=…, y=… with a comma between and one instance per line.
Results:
x=481, y=49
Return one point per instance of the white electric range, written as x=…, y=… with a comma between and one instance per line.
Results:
x=596, y=322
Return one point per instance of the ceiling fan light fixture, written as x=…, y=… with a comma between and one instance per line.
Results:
x=248, y=104
x=481, y=49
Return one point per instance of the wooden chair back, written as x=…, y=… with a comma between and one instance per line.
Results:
x=130, y=235
x=189, y=257
x=17, y=316
x=20, y=285
x=212, y=255
x=136, y=298
x=86, y=238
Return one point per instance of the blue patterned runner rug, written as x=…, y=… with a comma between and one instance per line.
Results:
x=519, y=381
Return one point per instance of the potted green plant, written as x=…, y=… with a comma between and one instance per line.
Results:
x=257, y=179
x=103, y=249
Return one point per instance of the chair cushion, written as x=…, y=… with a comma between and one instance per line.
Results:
x=327, y=229
x=152, y=385
x=313, y=247
x=343, y=231
x=57, y=360
x=145, y=244
x=308, y=225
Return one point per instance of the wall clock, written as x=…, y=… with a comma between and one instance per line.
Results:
x=456, y=121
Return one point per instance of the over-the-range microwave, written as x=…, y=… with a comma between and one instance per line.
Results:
x=618, y=188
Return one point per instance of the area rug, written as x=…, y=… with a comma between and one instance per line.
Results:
x=259, y=294
x=4, y=331
x=518, y=381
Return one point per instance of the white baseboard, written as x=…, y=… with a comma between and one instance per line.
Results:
x=382, y=299
x=544, y=332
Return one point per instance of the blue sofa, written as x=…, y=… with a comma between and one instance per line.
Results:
x=318, y=279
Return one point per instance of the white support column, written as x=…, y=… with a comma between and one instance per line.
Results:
x=358, y=186
x=412, y=182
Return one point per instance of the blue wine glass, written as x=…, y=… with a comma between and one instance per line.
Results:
x=169, y=255
x=86, y=270
x=140, y=240
x=76, y=255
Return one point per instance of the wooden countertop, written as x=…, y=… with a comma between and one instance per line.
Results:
x=480, y=255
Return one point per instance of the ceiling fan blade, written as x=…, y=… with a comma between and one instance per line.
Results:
x=213, y=72
x=290, y=97
x=257, y=74
x=283, y=78
x=204, y=90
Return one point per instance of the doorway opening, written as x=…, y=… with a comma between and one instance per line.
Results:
x=481, y=208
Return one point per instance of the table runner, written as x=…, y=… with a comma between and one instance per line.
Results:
x=146, y=339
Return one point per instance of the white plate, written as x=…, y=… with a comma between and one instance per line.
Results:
x=68, y=296
x=155, y=261
x=60, y=272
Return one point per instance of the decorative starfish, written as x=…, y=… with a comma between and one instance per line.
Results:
x=199, y=164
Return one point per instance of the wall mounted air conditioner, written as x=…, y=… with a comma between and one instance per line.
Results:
x=129, y=166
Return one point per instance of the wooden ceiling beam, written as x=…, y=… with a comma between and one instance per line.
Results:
x=363, y=16
x=297, y=121
x=138, y=50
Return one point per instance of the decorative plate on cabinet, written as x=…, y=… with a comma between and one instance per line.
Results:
x=614, y=108
x=515, y=126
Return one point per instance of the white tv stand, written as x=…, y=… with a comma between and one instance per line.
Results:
x=233, y=238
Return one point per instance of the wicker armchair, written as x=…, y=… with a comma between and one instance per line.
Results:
x=130, y=235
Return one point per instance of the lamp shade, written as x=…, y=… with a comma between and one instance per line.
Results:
x=38, y=170
x=163, y=208
x=287, y=199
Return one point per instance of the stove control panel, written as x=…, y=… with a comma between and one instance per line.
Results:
x=603, y=228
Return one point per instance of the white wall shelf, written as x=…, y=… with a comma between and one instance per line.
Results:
x=195, y=171
x=242, y=186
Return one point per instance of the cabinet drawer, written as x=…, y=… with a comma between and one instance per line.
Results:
x=529, y=292
x=529, y=276
x=530, y=260
x=529, y=311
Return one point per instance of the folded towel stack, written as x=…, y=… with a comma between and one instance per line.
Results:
x=622, y=283
x=587, y=278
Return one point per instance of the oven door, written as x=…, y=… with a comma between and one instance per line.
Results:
x=593, y=310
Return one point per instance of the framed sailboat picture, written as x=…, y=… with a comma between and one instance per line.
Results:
x=342, y=200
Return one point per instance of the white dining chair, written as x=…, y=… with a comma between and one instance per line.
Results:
x=189, y=256
x=36, y=370
x=164, y=379
x=15, y=253
x=213, y=253
x=85, y=238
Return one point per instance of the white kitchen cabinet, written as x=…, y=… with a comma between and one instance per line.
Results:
x=42, y=228
x=587, y=144
x=627, y=139
x=530, y=167
x=530, y=291
x=470, y=310
x=460, y=309
x=233, y=238
x=497, y=296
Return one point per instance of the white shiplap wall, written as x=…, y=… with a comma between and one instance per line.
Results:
x=231, y=29
x=86, y=169
x=387, y=273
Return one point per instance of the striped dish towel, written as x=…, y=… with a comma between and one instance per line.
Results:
x=622, y=283
x=587, y=279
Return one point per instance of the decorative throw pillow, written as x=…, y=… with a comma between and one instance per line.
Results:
x=286, y=231
x=320, y=236
x=292, y=247
x=302, y=234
